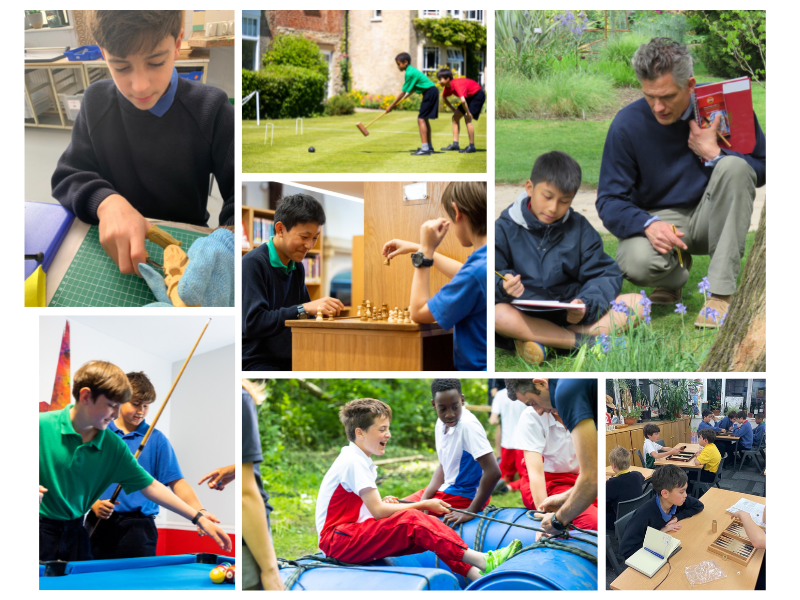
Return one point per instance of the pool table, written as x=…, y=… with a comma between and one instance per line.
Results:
x=178, y=572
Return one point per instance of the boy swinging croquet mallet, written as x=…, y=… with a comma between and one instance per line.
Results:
x=416, y=81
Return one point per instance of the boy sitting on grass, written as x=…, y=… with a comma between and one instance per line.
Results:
x=146, y=142
x=79, y=458
x=471, y=98
x=461, y=304
x=129, y=530
x=652, y=450
x=417, y=82
x=670, y=505
x=467, y=471
x=546, y=251
x=709, y=456
x=356, y=526
x=624, y=485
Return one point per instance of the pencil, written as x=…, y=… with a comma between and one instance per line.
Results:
x=501, y=276
x=680, y=258
x=724, y=139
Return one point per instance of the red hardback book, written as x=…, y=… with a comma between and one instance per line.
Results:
x=732, y=100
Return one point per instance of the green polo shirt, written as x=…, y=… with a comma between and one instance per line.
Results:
x=74, y=473
x=275, y=260
x=416, y=81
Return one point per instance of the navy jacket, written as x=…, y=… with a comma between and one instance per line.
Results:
x=560, y=261
x=621, y=489
x=648, y=166
x=649, y=515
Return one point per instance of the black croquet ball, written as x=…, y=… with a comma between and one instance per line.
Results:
x=311, y=149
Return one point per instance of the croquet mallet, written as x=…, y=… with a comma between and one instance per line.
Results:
x=363, y=128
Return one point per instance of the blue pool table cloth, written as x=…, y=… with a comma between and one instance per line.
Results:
x=179, y=572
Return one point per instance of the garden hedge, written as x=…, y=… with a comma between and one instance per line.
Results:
x=285, y=92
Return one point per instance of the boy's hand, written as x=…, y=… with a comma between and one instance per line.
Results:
x=431, y=235
x=391, y=500
x=662, y=238
x=554, y=502
x=394, y=248
x=436, y=506
x=103, y=509
x=574, y=315
x=219, y=478
x=742, y=515
x=215, y=533
x=42, y=491
x=673, y=525
x=513, y=286
x=122, y=233
x=326, y=305
x=211, y=517
x=452, y=519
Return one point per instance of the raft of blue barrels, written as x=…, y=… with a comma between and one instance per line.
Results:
x=558, y=564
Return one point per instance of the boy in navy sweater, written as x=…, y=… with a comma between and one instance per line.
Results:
x=274, y=289
x=726, y=424
x=670, y=505
x=666, y=183
x=624, y=485
x=146, y=142
x=546, y=251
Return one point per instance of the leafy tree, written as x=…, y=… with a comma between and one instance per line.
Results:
x=736, y=43
x=296, y=51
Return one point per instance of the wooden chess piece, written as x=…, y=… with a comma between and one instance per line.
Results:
x=384, y=311
x=330, y=316
x=387, y=263
x=319, y=316
x=406, y=316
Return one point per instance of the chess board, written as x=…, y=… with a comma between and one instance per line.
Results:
x=729, y=547
x=681, y=457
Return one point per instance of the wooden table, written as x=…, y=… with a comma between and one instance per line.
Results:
x=695, y=537
x=355, y=345
x=648, y=473
x=683, y=465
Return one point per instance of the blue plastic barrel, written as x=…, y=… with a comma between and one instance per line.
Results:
x=545, y=569
x=371, y=578
x=498, y=535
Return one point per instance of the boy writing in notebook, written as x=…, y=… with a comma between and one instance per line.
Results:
x=669, y=506
x=461, y=304
x=544, y=250
x=417, y=82
x=467, y=471
x=356, y=525
x=79, y=458
x=146, y=141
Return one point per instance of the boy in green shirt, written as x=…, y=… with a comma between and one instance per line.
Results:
x=78, y=460
x=416, y=81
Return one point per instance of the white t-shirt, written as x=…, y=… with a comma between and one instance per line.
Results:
x=509, y=411
x=650, y=446
x=548, y=437
x=339, y=500
x=459, y=450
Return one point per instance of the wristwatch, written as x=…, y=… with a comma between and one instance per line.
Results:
x=418, y=260
x=301, y=312
x=557, y=525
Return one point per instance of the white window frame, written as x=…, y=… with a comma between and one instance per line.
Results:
x=377, y=15
x=328, y=54
x=430, y=14
x=474, y=15
x=455, y=61
x=481, y=64
x=455, y=14
x=437, y=61
x=255, y=15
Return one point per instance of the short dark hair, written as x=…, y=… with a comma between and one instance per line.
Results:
x=650, y=429
x=706, y=413
x=668, y=478
x=141, y=387
x=444, y=385
x=708, y=434
x=520, y=386
x=299, y=208
x=558, y=169
x=741, y=415
x=444, y=74
x=103, y=379
x=470, y=198
x=403, y=57
x=127, y=32
x=361, y=414
x=732, y=414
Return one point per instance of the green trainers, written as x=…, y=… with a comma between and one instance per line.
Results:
x=495, y=558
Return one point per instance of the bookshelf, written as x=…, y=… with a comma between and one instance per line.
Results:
x=313, y=284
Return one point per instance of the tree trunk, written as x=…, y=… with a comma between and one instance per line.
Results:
x=742, y=341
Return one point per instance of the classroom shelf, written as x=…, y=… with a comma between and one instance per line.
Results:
x=314, y=285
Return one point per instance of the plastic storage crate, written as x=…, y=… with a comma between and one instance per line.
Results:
x=41, y=103
x=84, y=53
x=194, y=75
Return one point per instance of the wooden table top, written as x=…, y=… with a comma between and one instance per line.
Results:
x=201, y=56
x=648, y=473
x=722, y=436
x=695, y=537
x=357, y=323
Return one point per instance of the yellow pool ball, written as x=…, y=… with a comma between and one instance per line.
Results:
x=217, y=575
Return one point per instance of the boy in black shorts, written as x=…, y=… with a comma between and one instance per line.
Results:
x=471, y=98
x=546, y=251
x=416, y=81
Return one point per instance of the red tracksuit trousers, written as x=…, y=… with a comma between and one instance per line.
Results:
x=511, y=463
x=557, y=483
x=454, y=501
x=405, y=532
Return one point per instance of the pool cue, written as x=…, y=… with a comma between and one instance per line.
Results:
x=155, y=420
x=680, y=258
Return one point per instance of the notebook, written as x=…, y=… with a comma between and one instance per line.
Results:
x=653, y=555
x=543, y=305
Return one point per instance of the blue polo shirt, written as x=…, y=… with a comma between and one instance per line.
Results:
x=758, y=432
x=726, y=423
x=158, y=459
x=745, y=434
x=574, y=399
x=704, y=425
x=461, y=306
x=667, y=516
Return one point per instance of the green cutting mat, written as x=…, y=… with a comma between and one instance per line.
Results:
x=93, y=279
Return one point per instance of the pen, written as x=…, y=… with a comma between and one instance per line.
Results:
x=651, y=552
x=501, y=276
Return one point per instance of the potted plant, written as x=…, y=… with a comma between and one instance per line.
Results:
x=631, y=415
x=35, y=18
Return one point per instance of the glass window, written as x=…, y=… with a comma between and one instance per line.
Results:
x=377, y=15
x=430, y=13
x=250, y=41
x=474, y=15
x=430, y=58
x=455, y=61
x=456, y=14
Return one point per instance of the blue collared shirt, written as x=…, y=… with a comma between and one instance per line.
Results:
x=158, y=459
x=745, y=434
x=704, y=425
x=163, y=104
x=666, y=515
